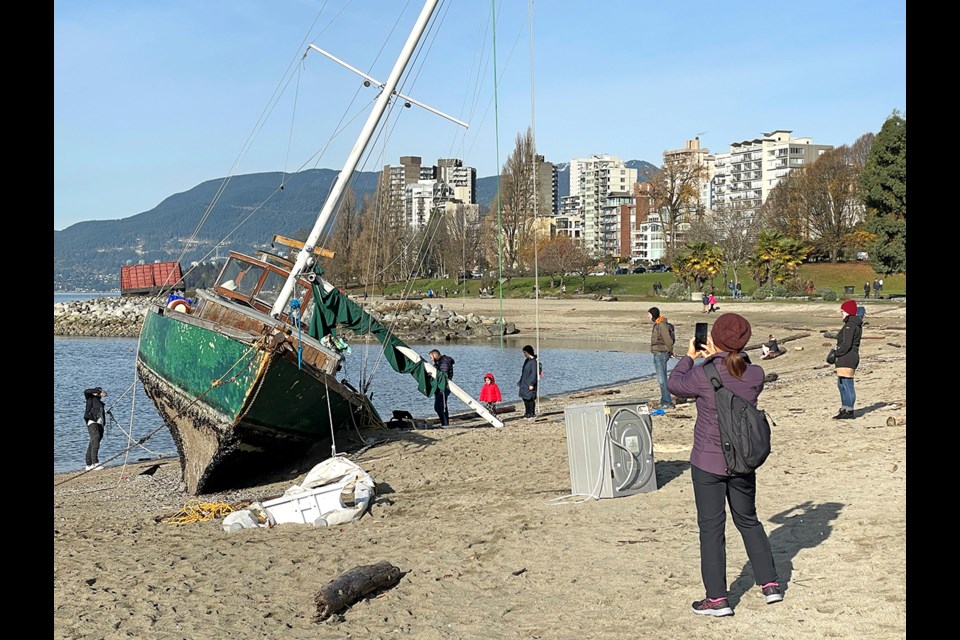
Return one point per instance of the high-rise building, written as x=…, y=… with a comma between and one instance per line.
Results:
x=593, y=179
x=413, y=191
x=744, y=177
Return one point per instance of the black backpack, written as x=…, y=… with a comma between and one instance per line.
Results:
x=744, y=429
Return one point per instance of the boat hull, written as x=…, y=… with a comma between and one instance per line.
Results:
x=238, y=406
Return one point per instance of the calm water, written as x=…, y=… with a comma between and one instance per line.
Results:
x=80, y=363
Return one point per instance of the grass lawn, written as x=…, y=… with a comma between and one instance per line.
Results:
x=824, y=276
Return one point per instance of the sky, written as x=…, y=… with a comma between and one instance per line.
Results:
x=154, y=98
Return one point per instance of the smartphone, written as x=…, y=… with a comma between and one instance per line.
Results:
x=700, y=336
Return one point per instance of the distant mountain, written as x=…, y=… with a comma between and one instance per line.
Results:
x=87, y=256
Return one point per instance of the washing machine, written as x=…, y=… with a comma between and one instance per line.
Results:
x=610, y=448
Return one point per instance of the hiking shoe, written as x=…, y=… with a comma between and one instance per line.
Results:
x=717, y=607
x=847, y=415
x=772, y=592
x=88, y=467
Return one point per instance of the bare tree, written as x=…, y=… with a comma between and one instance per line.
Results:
x=675, y=192
x=560, y=255
x=517, y=199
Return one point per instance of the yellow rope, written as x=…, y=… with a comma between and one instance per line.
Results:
x=198, y=511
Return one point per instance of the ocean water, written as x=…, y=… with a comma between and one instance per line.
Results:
x=81, y=363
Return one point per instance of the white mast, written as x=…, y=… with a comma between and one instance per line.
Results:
x=379, y=106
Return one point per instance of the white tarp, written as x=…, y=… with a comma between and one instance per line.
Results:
x=334, y=492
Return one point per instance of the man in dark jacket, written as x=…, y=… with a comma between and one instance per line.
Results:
x=440, y=400
x=95, y=416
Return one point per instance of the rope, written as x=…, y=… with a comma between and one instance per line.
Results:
x=496, y=122
x=536, y=205
x=198, y=511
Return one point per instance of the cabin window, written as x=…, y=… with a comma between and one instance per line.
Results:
x=241, y=277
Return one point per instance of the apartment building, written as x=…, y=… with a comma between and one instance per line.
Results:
x=592, y=179
x=744, y=177
x=412, y=191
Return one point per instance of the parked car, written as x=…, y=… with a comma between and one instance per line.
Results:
x=863, y=255
x=658, y=268
x=640, y=269
x=598, y=273
x=621, y=271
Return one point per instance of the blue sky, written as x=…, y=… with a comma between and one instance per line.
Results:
x=153, y=98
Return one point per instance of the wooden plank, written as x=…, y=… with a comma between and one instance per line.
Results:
x=297, y=244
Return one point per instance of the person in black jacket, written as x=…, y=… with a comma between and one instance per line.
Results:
x=95, y=417
x=528, y=382
x=440, y=399
x=848, y=358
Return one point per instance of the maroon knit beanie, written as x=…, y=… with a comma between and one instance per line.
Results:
x=849, y=307
x=730, y=332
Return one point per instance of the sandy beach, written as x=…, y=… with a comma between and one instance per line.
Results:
x=477, y=520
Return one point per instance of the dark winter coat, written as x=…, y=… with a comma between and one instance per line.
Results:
x=528, y=379
x=688, y=380
x=848, y=346
x=94, y=409
x=445, y=364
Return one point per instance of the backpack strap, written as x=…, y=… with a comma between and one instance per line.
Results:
x=713, y=375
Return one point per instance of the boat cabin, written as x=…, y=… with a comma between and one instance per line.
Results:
x=257, y=282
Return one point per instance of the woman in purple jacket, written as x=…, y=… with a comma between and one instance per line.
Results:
x=712, y=487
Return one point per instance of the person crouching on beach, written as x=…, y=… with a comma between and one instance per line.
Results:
x=490, y=393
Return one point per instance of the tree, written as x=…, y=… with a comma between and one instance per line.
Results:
x=820, y=203
x=777, y=258
x=701, y=262
x=561, y=255
x=675, y=193
x=884, y=187
x=517, y=199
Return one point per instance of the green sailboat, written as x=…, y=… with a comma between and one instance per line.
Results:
x=245, y=375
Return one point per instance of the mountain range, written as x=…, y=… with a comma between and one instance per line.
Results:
x=251, y=208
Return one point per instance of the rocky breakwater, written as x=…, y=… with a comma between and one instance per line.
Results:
x=109, y=317
x=114, y=317
x=431, y=322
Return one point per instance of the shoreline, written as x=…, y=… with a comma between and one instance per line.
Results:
x=476, y=518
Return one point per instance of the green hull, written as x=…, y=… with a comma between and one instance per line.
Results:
x=236, y=409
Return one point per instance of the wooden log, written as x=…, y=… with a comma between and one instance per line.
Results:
x=894, y=421
x=350, y=587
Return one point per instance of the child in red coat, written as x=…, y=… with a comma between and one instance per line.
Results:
x=490, y=393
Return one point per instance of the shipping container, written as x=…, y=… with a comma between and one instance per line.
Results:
x=150, y=278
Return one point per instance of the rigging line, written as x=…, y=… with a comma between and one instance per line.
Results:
x=496, y=121
x=536, y=203
x=483, y=119
x=293, y=120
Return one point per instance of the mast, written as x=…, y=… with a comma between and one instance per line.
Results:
x=340, y=184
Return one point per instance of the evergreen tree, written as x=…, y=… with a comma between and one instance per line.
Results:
x=884, y=187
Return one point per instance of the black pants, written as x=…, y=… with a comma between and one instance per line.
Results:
x=711, y=493
x=440, y=405
x=529, y=407
x=95, y=429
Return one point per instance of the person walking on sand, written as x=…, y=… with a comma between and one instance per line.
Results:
x=441, y=398
x=712, y=301
x=528, y=382
x=848, y=358
x=490, y=393
x=866, y=290
x=661, y=346
x=95, y=416
x=713, y=488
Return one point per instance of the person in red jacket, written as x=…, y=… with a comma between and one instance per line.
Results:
x=490, y=393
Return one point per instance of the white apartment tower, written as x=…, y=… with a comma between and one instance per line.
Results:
x=744, y=177
x=592, y=179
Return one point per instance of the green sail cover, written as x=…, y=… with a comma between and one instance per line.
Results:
x=335, y=309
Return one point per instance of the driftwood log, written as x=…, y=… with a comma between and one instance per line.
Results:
x=349, y=587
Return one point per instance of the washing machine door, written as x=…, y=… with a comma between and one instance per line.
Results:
x=631, y=453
